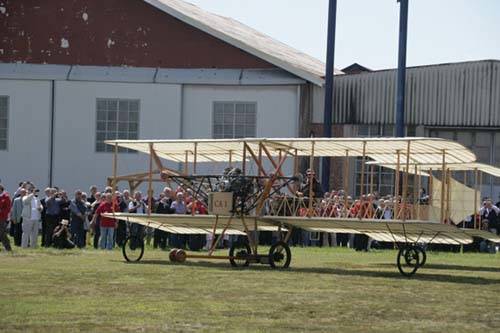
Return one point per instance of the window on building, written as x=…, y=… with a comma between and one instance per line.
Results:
x=234, y=120
x=383, y=178
x=485, y=144
x=116, y=119
x=4, y=121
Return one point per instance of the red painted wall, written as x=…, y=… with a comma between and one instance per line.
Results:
x=109, y=33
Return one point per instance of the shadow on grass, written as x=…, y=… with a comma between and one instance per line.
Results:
x=455, y=267
x=354, y=272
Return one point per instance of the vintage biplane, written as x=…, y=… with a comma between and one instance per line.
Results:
x=253, y=193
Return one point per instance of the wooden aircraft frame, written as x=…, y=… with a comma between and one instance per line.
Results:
x=411, y=236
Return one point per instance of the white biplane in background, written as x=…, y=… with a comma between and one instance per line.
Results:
x=241, y=203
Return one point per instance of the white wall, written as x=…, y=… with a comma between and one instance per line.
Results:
x=76, y=163
x=277, y=108
x=27, y=155
x=277, y=111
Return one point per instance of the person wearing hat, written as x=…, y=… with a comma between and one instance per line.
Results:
x=61, y=236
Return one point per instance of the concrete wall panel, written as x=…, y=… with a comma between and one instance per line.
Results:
x=27, y=154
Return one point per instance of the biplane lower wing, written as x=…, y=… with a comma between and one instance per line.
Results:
x=482, y=234
x=194, y=224
x=410, y=236
x=385, y=231
x=394, y=231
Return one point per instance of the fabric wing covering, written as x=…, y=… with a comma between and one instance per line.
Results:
x=393, y=231
x=191, y=225
x=409, y=231
x=382, y=150
x=460, y=200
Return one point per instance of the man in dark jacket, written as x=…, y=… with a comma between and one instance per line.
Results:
x=78, y=214
x=16, y=217
x=92, y=191
x=316, y=186
x=121, y=229
x=44, y=214
x=53, y=205
x=491, y=213
x=163, y=207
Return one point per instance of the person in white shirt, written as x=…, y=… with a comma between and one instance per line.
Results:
x=32, y=210
x=137, y=206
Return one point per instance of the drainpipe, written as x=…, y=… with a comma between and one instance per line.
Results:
x=51, y=131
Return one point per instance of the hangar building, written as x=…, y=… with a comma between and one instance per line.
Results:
x=457, y=101
x=75, y=73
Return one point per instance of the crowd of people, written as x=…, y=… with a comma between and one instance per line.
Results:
x=68, y=223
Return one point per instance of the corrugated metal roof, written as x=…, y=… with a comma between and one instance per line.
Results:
x=460, y=94
x=246, y=38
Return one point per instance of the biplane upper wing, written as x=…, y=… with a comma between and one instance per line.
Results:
x=194, y=224
x=385, y=231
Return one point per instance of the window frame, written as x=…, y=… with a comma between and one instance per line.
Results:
x=234, y=123
x=7, y=118
x=106, y=131
x=380, y=174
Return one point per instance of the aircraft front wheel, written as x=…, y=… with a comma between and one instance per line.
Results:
x=238, y=254
x=280, y=255
x=133, y=249
x=408, y=260
x=422, y=255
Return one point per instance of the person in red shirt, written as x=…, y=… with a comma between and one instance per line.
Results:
x=107, y=224
x=199, y=207
x=5, y=205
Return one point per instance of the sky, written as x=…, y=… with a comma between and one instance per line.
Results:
x=439, y=31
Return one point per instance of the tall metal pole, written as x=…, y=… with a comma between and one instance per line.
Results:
x=400, y=99
x=327, y=120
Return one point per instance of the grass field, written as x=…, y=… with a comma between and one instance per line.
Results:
x=325, y=290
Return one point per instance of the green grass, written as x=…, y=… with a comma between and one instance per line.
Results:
x=324, y=290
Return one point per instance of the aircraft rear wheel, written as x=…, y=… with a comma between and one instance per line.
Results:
x=280, y=255
x=238, y=254
x=408, y=260
x=133, y=249
x=423, y=256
